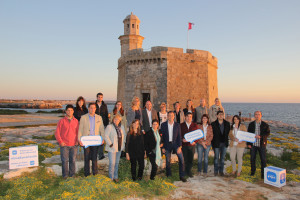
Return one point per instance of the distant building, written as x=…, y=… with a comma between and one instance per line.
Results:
x=164, y=74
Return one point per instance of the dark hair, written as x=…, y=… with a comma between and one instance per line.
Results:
x=83, y=106
x=155, y=120
x=204, y=115
x=99, y=94
x=90, y=104
x=121, y=109
x=220, y=111
x=175, y=103
x=131, y=132
x=187, y=105
x=188, y=113
x=238, y=117
x=69, y=106
x=170, y=112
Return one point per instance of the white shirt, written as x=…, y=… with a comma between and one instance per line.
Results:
x=205, y=131
x=235, y=130
x=163, y=118
x=170, y=128
x=149, y=113
x=188, y=125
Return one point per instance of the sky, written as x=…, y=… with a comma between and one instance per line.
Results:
x=63, y=49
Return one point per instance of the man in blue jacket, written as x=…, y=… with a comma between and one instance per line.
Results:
x=171, y=137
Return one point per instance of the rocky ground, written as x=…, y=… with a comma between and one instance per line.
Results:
x=283, y=136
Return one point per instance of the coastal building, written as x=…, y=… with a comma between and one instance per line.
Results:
x=164, y=74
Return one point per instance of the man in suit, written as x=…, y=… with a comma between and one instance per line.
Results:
x=262, y=131
x=171, y=137
x=221, y=129
x=101, y=109
x=90, y=124
x=148, y=115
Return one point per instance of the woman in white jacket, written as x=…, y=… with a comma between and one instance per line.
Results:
x=115, y=139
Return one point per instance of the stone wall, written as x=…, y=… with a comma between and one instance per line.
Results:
x=169, y=75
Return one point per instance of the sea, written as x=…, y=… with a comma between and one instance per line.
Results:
x=285, y=112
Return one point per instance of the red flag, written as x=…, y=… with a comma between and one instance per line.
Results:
x=190, y=25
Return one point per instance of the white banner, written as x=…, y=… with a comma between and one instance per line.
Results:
x=94, y=140
x=194, y=135
x=245, y=136
x=25, y=156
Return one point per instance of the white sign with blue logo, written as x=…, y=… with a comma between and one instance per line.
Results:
x=275, y=176
x=194, y=135
x=25, y=156
x=94, y=140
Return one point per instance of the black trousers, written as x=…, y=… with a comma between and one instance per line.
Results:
x=134, y=162
x=90, y=153
x=262, y=155
x=188, y=155
x=152, y=158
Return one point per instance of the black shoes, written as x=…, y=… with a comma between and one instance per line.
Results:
x=101, y=158
x=183, y=179
x=221, y=174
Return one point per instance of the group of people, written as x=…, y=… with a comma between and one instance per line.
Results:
x=145, y=133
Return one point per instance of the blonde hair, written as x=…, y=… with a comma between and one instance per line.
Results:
x=117, y=116
x=163, y=104
x=133, y=99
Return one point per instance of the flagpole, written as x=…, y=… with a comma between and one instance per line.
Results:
x=187, y=40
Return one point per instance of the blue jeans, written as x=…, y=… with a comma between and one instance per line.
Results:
x=219, y=158
x=68, y=157
x=114, y=158
x=201, y=150
x=168, y=163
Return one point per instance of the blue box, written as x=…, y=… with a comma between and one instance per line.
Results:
x=275, y=176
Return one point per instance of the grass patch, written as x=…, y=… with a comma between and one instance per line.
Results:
x=27, y=126
x=12, y=112
x=51, y=112
x=288, y=161
x=44, y=185
x=47, y=137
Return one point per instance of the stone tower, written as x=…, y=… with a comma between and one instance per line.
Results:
x=131, y=38
x=164, y=74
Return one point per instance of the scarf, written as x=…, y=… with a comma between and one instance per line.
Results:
x=157, y=148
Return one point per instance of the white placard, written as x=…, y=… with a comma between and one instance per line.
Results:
x=245, y=136
x=25, y=156
x=93, y=140
x=194, y=135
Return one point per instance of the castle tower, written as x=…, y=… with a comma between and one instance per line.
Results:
x=131, y=38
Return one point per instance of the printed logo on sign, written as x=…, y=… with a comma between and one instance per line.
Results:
x=271, y=176
x=32, y=162
x=282, y=178
x=14, y=152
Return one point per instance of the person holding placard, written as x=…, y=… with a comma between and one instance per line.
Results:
x=262, y=131
x=90, y=124
x=236, y=147
x=221, y=129
x=135, y=149
x=66, y=136
x=115, y=138
x=171, y=136
x=204, y=144
x=188, y=149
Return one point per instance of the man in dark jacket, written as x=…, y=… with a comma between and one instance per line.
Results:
x=262, y=131
x=221, y=129
x=101, y=109
x=171, y=138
